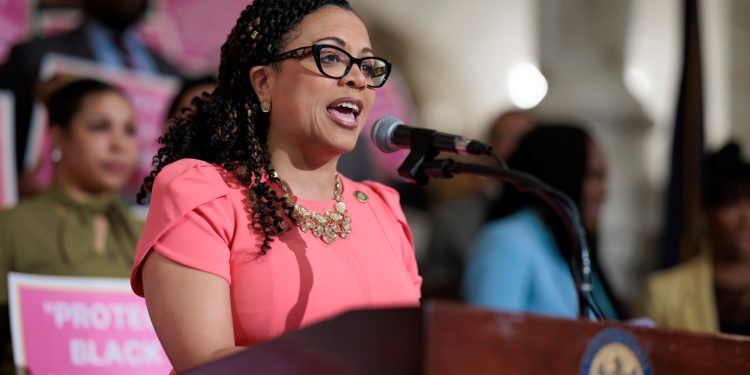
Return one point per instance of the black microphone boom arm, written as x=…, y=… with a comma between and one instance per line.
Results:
x=580, y=265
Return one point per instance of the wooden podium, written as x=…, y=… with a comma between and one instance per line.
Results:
x=449, y=338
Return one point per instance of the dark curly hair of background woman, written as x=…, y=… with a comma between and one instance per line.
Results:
x=227, y=127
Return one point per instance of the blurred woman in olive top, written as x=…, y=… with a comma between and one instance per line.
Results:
x=77, y=227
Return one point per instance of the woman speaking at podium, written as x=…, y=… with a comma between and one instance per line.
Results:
x=251, y=231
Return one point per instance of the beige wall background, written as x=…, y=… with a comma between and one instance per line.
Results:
x=613, y=65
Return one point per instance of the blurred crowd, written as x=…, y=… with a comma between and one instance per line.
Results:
x=478, y=240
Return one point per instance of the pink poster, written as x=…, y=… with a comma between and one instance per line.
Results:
x=8, y=187
x=80, y=325
x=191, y=32
x=150, y=94
x=391, y=99
x=15, y=24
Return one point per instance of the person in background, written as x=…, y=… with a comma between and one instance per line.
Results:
x=508, y=129
x=455, y=223
x=520, y=261
x=252, y=232
x=77, y=227
x=190, y=89
x=711, y=291
x=106, y=36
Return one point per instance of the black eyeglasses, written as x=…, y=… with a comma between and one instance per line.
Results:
x=334, y=62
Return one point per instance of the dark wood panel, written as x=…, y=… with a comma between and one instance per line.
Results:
x=466, y=340
x=449, y=338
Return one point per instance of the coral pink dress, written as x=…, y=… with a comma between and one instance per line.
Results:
x=199, y=217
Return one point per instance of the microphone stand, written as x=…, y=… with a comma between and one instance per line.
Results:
x=422, y=151
x=421, y=165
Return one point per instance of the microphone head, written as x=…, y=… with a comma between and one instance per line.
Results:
x=382, y=133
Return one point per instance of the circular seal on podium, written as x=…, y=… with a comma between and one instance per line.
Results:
x=614, y=351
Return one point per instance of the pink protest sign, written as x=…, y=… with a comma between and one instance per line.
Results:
x=81, y=325
x=15, y=24
x=8, y=187
x=150, y=95
x=191, y=32
x=391, y=99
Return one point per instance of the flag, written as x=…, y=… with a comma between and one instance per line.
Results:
x=683, y=193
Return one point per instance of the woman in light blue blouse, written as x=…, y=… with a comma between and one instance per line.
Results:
x=520, y=260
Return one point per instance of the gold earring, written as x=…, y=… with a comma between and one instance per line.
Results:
x=265, y=106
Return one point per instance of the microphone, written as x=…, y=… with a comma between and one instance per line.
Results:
x=391, y=134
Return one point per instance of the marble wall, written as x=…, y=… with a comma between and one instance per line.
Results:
x=613, y=65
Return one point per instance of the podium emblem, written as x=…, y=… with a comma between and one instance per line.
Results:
x=614, y=351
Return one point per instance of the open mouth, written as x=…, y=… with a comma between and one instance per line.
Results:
x=345, y=111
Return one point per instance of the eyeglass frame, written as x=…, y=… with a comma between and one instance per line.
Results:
x=315, y=51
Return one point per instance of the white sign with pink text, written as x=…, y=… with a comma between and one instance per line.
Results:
x=81, y=325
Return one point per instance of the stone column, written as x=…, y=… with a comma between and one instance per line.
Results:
x=581, y=52
x=739, y=74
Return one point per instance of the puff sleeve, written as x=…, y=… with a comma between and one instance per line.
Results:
x=190, y=221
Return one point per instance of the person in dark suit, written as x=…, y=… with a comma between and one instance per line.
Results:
x=106, y=36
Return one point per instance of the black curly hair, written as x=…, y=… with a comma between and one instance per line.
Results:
x=227, y=127
x=726, y=177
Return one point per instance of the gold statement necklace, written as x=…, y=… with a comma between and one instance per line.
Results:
x=334, y=224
